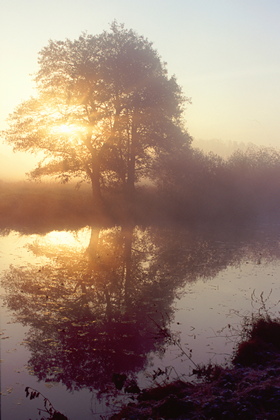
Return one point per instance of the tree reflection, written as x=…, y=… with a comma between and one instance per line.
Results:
x=100, y=309
x=83, y=308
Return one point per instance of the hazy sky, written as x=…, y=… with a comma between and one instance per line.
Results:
x=224, y=53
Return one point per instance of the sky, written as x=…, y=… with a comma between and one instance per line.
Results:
x=225, y=55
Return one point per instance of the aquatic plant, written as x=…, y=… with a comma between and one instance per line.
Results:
x=52, y=413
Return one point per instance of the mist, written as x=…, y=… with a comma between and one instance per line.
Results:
x=195, y=187
x=118, y=219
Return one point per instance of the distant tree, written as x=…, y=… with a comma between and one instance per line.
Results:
x=105, y=112
x=256, y=171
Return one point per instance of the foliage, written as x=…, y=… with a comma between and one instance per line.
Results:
x=196, y=186
x=105, y=111
x=260, y=335
x=193, y=187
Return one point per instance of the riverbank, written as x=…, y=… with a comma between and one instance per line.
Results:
x=250, y=389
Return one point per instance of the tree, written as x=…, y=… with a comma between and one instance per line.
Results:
x=105, y=111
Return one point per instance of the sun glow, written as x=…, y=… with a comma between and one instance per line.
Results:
x=69, y=130
x=64, y=128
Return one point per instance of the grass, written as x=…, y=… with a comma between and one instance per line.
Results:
x=41, y=207
x=262, y=343
x=250, y=389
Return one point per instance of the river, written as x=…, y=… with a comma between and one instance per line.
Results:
x=86, y=312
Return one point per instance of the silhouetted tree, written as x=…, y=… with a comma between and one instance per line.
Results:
x=106, y=110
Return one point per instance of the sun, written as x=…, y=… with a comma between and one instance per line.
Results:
x=66, y=129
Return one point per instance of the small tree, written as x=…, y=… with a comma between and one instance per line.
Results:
x=105, y=111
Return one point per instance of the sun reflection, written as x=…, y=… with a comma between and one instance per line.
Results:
x=69, y=239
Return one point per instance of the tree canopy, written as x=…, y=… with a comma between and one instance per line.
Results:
x=105, y=111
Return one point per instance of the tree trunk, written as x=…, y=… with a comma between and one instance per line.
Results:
x=93, y=244
x=99, y=206
x=130, y=184
x=128, y=239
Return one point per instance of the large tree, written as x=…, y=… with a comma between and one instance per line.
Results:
x=105, y=111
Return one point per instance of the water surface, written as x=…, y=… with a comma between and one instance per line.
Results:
x=148, y=303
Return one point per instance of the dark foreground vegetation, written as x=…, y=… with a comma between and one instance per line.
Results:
x=197, y=188
x=248, y=390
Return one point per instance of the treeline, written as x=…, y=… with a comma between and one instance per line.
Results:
x=246, y=186
x=193, y=187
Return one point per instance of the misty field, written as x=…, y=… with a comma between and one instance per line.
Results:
x=201, y=188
